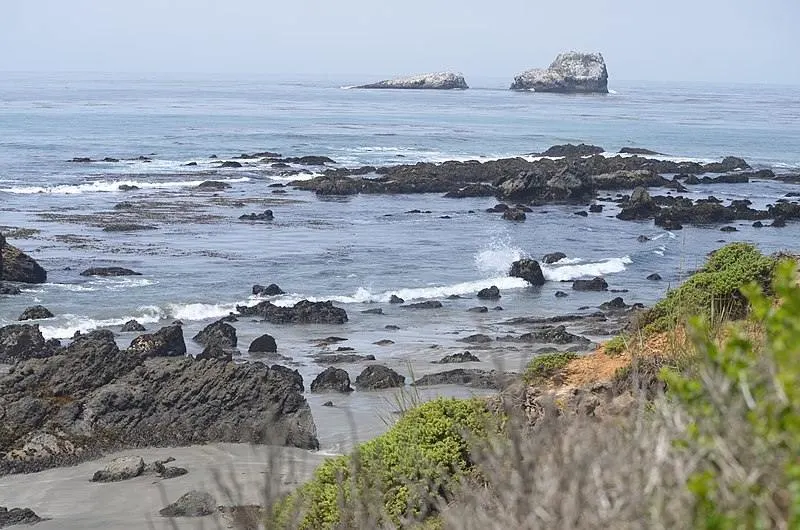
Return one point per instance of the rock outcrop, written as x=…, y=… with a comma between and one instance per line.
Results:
x=469, y=377
x=332, y=380
x=109, y=271
x=22, y=341
x=192, y=504
x=220, y=333
x=19, y=267
x=570, y=72
x=303, y=312
x=435, y=81
x=529, y=270
x=91, y=397
x=17, y=516
x=166, y=342
x=377, y=376
x=37, y=312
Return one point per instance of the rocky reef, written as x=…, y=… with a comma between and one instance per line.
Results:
x=570, y=72
x=433, y=81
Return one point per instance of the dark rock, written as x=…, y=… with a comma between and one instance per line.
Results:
x=498, y=208
x=391, y=327
x=728, y=229
x=230, y=164
x=671, y=225
x=639, y=206
x=192, y=504
x=215, y=185
x=596, y=208
x=18, y=516
x=616, y=304
x=758, y=224
x=553, y=257
x=167, y=473
x=514, y=215
x=638, y=151
x=37, y=312
x=342, y=358
x=303, y=312
x=166, y=342
x=220, y=333
x=476, y=339
x=383, y=342
x=779, y=222
x=529, y=270
x=570, y=72
x=132, y=325
x=595, y=284
x=469, y=377
x=429, y=304
x=373, y=311
x=109, y=271
x=332, y=380
x=263, y=344
x=377, y=376
x=266, y=215
x=328, y=404
x=127, y=187
x=127, y=227
x=655, y=277
x=553, y=335
x=561, y=294
x=216, y=352
x=465, y=357
x=472, y=190
x=119, y=469
x=571, y=150
x=16, y=266
x=22, y=341
x=489, y=293
x=582, y=213
x=310, y=160
x=270, y=290
x=691, y=180
x=642, y=239
x=189, y=164
x=9, y=290
x=479, y=309
x=394, y=299
x=81, y=159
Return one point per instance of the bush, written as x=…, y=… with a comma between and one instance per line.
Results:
x=616, y=346
x=397, y=478
x=714, y=291
x=743, y=408
x=544, y=367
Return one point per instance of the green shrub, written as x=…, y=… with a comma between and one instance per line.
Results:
x=714, y=292
x=544, y=367
x=398, y=478
x=616, y=346
x=743, y=407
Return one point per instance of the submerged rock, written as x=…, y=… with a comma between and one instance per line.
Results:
x=429, y=304
x=570, y=72
x=270, y=290
x=37, y=312
x=109, y=271
x=266, y=215
x=332, y=380
x=595, y=284
x=342, y=358
x=553, y=257
x=436, y=81
x=377, y=377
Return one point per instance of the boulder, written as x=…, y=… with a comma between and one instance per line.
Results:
x=377, y=377
x=166, y=342
x=490, y=293
x=615, y=304
x=342, y=358
x=332, y=380
x=192, y=504
x=132, y=326
x=123, y=468
x=270, y=290
x=16, y=266
x=263, y=344
x=303, y=312
x=434, y=81
x=266, y=215
x=465, y=357
x=394, y=299
x=570, y=72
x=230, y=164
x=18, y=516
x=100, y=398
x=529, y=270
x=219, y=332
x=655, y=277
x=595, y=284
x=37, y=312
x=561, y=294
x=22, y=341
x=514, y=214
x=553, y=257
x=109, y=271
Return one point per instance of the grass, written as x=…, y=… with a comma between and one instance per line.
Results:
x=543, y=368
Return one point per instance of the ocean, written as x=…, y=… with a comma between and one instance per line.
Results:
x=198, y=260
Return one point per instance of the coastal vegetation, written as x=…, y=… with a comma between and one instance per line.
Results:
x=698, y=427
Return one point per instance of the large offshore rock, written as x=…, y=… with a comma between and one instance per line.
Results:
x=16, y=266
x=434, y=81
x=570, y=72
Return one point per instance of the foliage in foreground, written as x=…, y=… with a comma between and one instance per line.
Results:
x=714, y=291
x=397, y=478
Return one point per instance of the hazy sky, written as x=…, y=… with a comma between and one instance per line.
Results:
x=685, y=40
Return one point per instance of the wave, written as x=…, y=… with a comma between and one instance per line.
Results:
x=200, y=311
x=292, y=178
x=105, y=186
x=558, y=273
x=68, y=324
x=497, y=259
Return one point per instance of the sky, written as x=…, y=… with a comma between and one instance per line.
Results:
x=751, y=41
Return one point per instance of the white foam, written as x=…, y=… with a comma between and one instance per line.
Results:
x=68, y=324
x=497, y=259
x=298, y=177
x=199, y=311
x=101, y=186
x=557, y=272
